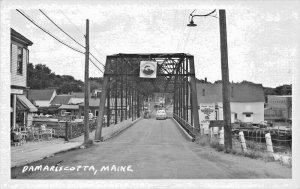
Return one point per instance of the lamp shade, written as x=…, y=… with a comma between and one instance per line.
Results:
x=192, y=24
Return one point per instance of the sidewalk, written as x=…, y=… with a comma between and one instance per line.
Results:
x=34, y=151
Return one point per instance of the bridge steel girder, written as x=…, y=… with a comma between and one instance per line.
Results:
x=123, y=90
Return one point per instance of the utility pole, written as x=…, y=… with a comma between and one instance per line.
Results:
x=225, y=80
x=86, y=86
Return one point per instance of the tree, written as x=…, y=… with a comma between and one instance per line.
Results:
x=41, y=77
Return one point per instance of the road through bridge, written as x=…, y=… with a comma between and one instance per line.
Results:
x=125, y=91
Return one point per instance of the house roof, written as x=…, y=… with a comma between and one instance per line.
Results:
x=61, y=99
x=68, y=107
x=40, y=94
x=209, y=93
x=279, y=96
x=77, y=94
x=93, y=102
x=76, y=100
x=19, y=37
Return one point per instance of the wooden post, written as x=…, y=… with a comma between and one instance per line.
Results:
x=243, y=141
x=269, y=145
x=86, y=86
x=221, y=138
x=225, y=80
x=66, y=131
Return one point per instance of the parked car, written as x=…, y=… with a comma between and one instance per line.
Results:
x=161, y=114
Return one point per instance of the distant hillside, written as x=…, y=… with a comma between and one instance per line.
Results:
x=41, y=77
x=279, y=90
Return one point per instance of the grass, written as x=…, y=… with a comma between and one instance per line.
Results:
x=253, y=151
x=202, y=140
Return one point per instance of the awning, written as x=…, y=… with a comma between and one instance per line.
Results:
x=25, y=103
x=247, y=112
x=68, y=107
x=21, y=106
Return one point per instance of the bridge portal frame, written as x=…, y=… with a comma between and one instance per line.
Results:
x=123, y=86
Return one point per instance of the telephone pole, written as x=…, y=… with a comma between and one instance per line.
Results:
x=86, y=86
x=225, y=80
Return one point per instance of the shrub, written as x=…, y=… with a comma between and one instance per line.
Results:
x=202, y=140
x=214, y=143
x=252, y=154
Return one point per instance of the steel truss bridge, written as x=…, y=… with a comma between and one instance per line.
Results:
x=124, y=92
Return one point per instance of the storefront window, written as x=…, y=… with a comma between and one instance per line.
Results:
x=20, y=118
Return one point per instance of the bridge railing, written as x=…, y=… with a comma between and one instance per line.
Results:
x=186, y=125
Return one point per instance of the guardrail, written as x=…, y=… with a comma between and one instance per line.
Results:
x=190, y=129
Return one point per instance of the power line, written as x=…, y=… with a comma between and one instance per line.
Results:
x=72, y=23
x=60, y=28
x=96, y=66
x=98, y=51
x=32, y=21
x=97, y=60
x=83, y=34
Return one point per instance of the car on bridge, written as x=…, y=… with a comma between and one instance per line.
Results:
x=161, y=114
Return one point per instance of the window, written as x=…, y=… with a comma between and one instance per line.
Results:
x=63, y=112
x=20, y=61
x=248, y=115
x=203, y=92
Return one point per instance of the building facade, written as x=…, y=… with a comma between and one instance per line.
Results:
x=279, y=107
x=246, y=101
x=21, y=107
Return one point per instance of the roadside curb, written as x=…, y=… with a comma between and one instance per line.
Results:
x=117, y=132
x=189, y=137
x=46, y=156
x=106, y=137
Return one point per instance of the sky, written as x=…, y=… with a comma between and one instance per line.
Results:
x=262, y=40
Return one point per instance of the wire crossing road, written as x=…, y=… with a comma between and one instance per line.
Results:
x=150, y=149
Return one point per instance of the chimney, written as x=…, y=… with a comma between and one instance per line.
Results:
x=205, y=80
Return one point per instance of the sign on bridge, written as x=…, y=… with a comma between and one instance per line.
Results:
x=148, y=69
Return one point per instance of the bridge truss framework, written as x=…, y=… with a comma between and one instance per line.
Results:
x=123, y=91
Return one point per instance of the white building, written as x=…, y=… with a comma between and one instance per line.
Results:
x=21, y=108
x=246, y=101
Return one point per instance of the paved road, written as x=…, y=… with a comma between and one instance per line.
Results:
x=151, y=149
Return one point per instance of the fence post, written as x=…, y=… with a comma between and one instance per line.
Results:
x=221, y=139
x=243, y=141
x=269, y=144
x=66, y=131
